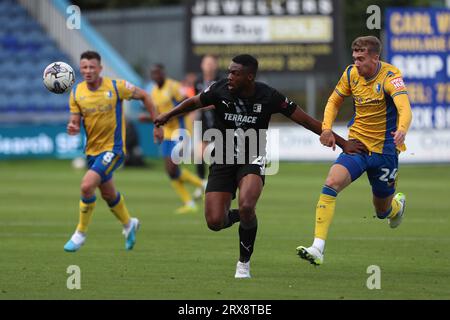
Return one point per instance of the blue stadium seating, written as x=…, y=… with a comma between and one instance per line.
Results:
x=3, y=102
x=25, y=50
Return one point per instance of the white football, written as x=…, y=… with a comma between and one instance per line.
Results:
x=58, y=77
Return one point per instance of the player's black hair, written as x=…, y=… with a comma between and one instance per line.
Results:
x=247, y=61
x=91, y=55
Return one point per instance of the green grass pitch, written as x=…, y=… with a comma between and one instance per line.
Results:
x=177, y=257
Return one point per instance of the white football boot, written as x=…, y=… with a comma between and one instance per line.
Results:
x=395, y=221
x=242, y=270
x=311, y=254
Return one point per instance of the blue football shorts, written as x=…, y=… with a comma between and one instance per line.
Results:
x=167, y=147
x=105, y=164
x=382, y=170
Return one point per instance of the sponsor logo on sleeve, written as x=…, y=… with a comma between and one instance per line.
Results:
x=398, y=83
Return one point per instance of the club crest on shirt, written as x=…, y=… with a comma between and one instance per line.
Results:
x=377, y=87
x=108, y=94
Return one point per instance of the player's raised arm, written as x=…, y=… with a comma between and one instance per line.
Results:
x=186, y=106
x=296, y=114
x=395, y=87
x=332, y=108
x=129, y=91
x=404, y=118
x=140, y=94
x=73, y=126
x=302, y=118
x=327, y=138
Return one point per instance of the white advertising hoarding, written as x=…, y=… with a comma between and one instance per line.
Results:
x=240, y=29
x=296, y=143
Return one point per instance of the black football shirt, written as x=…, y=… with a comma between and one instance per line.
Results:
x=243, y=122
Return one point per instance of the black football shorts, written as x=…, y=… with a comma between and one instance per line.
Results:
x=226, y=177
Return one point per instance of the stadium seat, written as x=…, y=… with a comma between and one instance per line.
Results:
x=18, y=102
x=26, y=68
x=4, y=55
x=10, y=42
x=36, y=85
x=59, y=102
x=3, y=82
x=21, y=84
x=25, y=50
x=31, y=26
x=3, y=102
x=38, y=102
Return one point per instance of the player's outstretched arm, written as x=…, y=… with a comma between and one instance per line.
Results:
x=302, y=118
x=73, y=126
x=404, y=118
x=331, y=110
x=186, y=106
x=140, y=94
x=305, y=120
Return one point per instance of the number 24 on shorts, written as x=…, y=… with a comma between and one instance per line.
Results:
x=387, y=173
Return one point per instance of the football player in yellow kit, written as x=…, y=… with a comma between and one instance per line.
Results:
x=381, y=120
x=166, y=94
x=96, y=103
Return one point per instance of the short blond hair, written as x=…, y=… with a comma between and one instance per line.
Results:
x=370, y=43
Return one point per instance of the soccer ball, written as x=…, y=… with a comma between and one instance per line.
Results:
x=58, y=77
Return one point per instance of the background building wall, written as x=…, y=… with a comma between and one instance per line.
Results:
x=145, y=36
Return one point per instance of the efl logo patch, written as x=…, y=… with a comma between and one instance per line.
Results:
x=257, y=107
x=398, y=83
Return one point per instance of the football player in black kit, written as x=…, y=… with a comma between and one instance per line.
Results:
x=242, y=105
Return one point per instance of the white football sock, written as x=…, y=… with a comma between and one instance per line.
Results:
x=319, y=244
x=78, y=237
